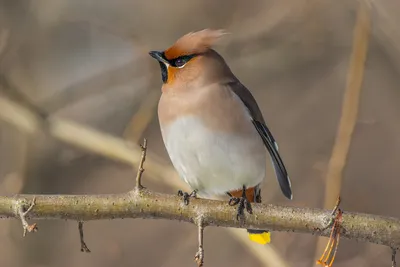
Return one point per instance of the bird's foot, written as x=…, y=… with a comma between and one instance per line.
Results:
x=185, y=196
x=242, y=203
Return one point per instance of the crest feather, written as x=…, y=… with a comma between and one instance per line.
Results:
x=194, y=42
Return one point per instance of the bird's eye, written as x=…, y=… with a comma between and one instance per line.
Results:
x=180, y=62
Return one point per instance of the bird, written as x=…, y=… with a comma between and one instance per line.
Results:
x=212, y=127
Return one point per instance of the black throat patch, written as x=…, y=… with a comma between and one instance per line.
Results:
x=164, y=72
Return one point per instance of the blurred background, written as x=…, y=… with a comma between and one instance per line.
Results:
x=86, y=61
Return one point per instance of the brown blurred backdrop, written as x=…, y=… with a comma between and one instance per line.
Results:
x=87, y=61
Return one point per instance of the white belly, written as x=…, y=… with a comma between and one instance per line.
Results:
x=214, y=163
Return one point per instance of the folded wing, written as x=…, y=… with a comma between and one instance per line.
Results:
x=281, y=174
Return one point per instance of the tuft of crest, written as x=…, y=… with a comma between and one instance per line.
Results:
x=194, y=43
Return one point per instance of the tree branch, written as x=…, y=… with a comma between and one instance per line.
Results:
x=146, y=204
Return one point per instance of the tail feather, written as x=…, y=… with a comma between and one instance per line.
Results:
x=259, y=236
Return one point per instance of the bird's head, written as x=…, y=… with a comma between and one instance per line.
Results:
x=190, y=57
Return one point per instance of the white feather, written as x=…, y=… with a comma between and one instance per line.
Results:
x=211, y=162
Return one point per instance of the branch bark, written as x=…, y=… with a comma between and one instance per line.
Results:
x=150, y=205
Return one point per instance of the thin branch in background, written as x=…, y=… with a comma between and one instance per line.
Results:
x=350, y=106
x=140, y=170
x=11, y=90
x=84, y=247
x=394, y=251
x=349, y=111
x=19, y=96
x=92, y=86
x=22, y=215
x=80, y=136
x=143, y=117
x=199, y=257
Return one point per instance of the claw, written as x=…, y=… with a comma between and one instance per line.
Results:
x=233, y=201
x=248, y=207
x=186, y=196
x=243, y=203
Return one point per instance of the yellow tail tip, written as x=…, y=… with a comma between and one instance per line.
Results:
x=263, y=238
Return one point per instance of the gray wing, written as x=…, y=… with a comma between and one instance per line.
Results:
x=280, y=170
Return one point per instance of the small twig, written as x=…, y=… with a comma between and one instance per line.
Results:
x=199, y=257
x=141, y=169
x=394, y=251
x=22, y=214
x=329, y=253
x=143, y=117
x=84, y=247
x=333, y=217
x=335, y=209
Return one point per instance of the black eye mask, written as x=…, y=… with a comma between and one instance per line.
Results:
x=176, y=63
x=181, y=61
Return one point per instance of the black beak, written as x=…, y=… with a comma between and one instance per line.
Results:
x=159, y=56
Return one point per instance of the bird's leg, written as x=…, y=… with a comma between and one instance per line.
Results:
x=242, y=201
x=185, y=196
